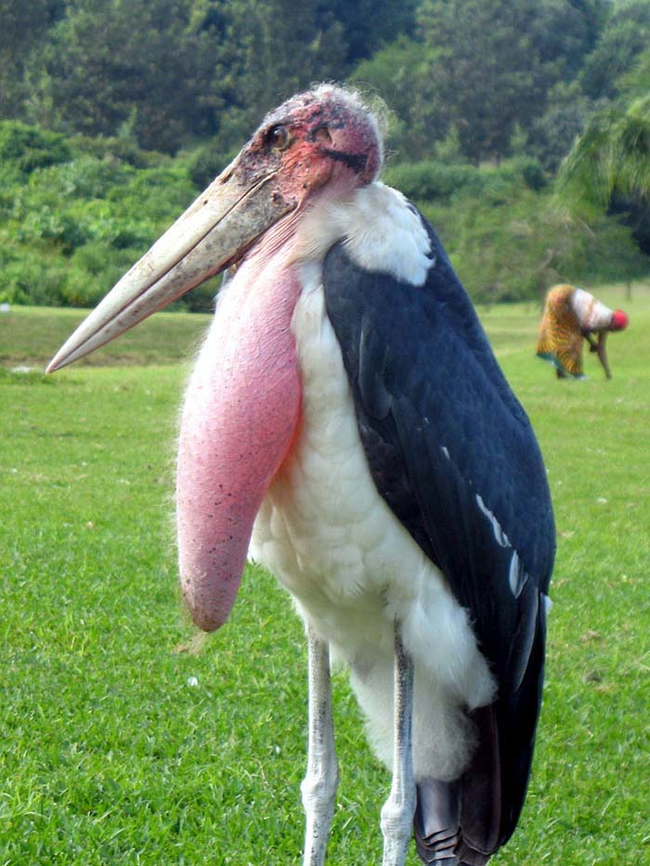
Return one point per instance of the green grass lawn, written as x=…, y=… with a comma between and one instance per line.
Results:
x=127, y=738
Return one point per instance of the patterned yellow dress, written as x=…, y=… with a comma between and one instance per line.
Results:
x=568, y=313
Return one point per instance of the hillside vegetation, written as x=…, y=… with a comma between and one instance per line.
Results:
x=522, y=128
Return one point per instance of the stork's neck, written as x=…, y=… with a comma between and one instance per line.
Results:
x=382, y=232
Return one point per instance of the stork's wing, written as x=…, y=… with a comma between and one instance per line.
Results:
x=454, y=456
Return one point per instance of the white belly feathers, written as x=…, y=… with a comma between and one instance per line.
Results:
x=327, y=535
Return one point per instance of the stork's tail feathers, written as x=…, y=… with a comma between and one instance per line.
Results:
x=437, y=826
x=437, y=821
x=458, y=823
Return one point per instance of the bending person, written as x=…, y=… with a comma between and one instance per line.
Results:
x=571, y=315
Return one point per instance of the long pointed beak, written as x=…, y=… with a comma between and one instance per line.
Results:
x=213, y=233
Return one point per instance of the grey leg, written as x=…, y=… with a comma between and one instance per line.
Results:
x=320, y=783
x=398, y=810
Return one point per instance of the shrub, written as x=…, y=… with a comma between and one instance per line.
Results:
x=33, y=280
x=28, y=147
x=84, y=177
x=518, y=249
x=206, y=163
x=429, y=181
x=117, y=150
x=438, y=181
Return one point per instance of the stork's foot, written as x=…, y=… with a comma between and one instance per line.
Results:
x=398, y=810
x=320, y=783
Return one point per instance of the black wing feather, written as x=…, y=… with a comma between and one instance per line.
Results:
x=453, y=454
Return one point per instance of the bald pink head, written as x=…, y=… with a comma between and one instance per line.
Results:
x=315, y=138
x=331, y=125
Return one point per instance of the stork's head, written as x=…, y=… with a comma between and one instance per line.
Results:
x=322, y=142
x=313, y=139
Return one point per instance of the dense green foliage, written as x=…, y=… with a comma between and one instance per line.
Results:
x=76, y=213
x=114, y=114
x=127, y=739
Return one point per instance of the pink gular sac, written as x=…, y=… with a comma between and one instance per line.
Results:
x=239, y=418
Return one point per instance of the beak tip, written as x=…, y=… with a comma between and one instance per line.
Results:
x=58, y=361
x=54, y=364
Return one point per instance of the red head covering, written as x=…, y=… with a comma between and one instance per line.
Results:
x=619, y=321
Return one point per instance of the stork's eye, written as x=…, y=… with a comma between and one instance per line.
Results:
x=278, y=137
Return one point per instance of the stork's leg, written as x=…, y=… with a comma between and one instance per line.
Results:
x=320, y=783
x=397, y=813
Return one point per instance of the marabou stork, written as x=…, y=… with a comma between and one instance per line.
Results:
x=347, y=426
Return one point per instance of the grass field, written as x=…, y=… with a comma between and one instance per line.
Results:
x=127, y=738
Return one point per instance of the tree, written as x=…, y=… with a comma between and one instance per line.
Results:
x=391, y=73
x=492, y=64
x=624, y=38
x=369, y=25
x=24, y=23
x=613, y=154
x=608, y=169
x=286, y=45
x=554, y=132
x=136, y=65
x=566, y=31
x=275, y=49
